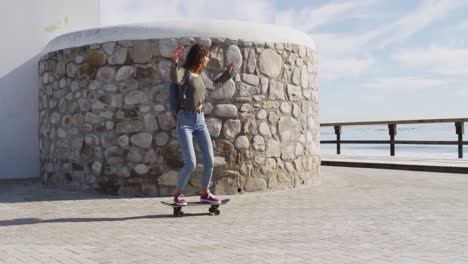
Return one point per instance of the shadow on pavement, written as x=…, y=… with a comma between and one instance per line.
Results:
x=31, y=190
x=33, y=221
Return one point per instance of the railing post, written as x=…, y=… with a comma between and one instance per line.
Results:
x=392, y=132
x=459, y=127
x=338, y=133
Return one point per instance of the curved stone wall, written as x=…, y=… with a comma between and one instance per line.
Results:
x=105, y=125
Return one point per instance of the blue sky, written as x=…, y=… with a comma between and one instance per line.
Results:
x=378, y=59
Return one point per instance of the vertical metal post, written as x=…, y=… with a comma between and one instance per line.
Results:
x=392, y=132
x=459, y=127
x=338, y=133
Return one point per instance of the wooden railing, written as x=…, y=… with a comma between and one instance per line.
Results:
x=392, y=131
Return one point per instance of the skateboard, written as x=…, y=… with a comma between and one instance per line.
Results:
x=213, y=207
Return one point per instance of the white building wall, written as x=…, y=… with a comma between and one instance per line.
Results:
x=26, y=26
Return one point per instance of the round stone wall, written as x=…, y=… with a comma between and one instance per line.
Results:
x=105, y=125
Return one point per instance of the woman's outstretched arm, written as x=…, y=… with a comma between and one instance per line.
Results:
x=226, y=76
x=177, y=73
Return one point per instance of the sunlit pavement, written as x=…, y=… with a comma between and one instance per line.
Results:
x=354, y=216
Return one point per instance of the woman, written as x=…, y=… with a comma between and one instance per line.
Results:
x=191, y=119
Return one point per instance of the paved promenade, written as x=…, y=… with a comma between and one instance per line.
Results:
x=355, y=216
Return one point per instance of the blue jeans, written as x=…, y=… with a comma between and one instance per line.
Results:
x=191, y=125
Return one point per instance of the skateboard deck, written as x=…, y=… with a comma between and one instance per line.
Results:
x=214, y=208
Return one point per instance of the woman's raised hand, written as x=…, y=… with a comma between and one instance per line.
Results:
x=231, y=66
x=178, y=52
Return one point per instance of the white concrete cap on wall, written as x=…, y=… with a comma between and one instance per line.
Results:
x=183, y=28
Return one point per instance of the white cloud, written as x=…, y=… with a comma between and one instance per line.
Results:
x=440, y=60
x=335, y=45
x=255, y=11
x=405, y=83
x=333, y=69
x=125, y=11
x=463, y=92
x=132, y=11
x=310, y=18
x=463, y=25
x=430, y=12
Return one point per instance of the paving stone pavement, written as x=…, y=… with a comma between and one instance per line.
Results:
x=355, y=216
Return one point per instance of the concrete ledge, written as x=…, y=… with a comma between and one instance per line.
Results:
x=246, y=31
x=397, y=163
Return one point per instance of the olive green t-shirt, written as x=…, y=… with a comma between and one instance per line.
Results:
x=197, y=86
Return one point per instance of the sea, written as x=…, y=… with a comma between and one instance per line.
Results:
x=439, y=131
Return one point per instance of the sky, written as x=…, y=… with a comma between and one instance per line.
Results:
x=378, y=59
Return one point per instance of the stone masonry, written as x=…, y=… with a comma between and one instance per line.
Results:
x=105, y=124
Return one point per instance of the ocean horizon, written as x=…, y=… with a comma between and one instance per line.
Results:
x=440, y=131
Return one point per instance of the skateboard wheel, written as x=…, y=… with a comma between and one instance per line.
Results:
x=178, y=212
x=216, y=212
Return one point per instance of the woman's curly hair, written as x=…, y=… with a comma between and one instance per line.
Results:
x=193, y=61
